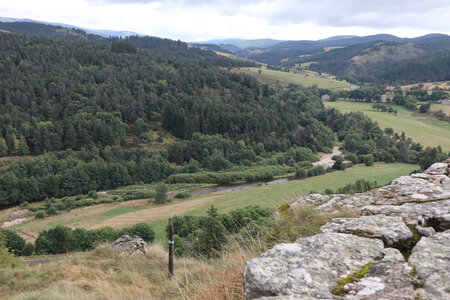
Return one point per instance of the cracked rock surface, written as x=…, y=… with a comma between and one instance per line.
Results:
x=310, y=268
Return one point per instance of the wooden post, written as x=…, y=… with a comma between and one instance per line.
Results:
x=171, y=244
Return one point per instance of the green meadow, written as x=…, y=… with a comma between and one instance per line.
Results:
x=428, y=132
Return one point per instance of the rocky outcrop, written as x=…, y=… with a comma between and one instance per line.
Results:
x=385, y=280
x=348, y=259
x=309, y=267
x=130, y=245
x=435, y=214
x=388, y=229
x=431, y=259
x=413, y=189
x=335, y=202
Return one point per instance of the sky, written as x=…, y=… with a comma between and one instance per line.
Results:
x=196, y=20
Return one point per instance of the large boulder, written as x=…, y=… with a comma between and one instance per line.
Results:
x=388, y=229
x=435, y=214
x=310, y=267
x=335, y=202
x=412, y=189
x=431, y=258
x=385, y=280
x=130, y=245
x=442, y=168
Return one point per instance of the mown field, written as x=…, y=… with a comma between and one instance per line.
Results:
x=118, y=215
x=427, y=131
x=301, y=79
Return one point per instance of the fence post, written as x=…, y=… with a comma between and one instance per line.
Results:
x=171, y=244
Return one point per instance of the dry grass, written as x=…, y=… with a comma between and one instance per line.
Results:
x=101, y=274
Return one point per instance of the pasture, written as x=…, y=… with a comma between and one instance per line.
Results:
x=428, y=132
x=118, y=215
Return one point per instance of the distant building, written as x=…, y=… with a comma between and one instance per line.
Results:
x=325, y=98
x=445, y=101
x=390, y=88
x=383, y=98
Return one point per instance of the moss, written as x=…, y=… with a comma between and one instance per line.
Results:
x=339, y=289
x=406, y=246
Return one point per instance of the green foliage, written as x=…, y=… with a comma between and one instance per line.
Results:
x=360, y=186
x=368, y=160
x=12, y=241
x=340, y=290
x=182, y=195
x=161, y=193
x=8, y=260
x=143, y=230
x=211, y=236
x=28, y=249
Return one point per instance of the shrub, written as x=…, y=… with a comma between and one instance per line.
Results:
x=144, y=230
x=300, y=174
x=182, y=195
x=60, y=239
x=51, y=211
x=28, y=249
x=93, y=195
x=40, y=214
x=81, y=240
x=368, y=160
x=103, y=235
x=12, y=241
x=7, y=259
x=328, y=192
x=161, y=193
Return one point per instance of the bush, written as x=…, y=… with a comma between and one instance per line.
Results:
x=28, y=249
x=144, y=230
x=103, y=235
x=12, y=241
x=368, y=160
x=93, y=195
x=161, y=193
x=300, y=174
x=7, y=259
x=40, y=214
x=328, y=192
x=182, y=195
x=81, y=240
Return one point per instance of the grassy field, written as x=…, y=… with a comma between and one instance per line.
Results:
x=301, y=79
x=428, y=132
x=445, y=108
x=122, y=214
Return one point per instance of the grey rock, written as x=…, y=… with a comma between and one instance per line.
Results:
x=431, y=258
x=436, y=213
x=411, y=189
x=385, y=280
x=425, y=231
x=392, y=255
x=438, y=169
x=309, y=267
x=334, y=202
x=130, y=245
x=389, y=229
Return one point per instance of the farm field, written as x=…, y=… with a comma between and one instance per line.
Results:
x=426, y=131
x=118, y=215
x=301, y=79
x=445, y=108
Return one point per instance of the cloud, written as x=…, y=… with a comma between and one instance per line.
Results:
x=195, y=20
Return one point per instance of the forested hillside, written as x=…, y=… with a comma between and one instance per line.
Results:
x=90, y=101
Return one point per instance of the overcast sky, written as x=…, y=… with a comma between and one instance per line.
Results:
x=196, y=20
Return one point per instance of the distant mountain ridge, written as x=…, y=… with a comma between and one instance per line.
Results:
x=103, y=33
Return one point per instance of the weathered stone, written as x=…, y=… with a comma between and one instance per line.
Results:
x=431, y=258
x=436, y=214
x=130, y=245
x=425, y=231
x=309, y=267
x=385, y=280
x=410, y=189
x=332, y=203
x=438, y=169
x=392, y=255
x=388, y=229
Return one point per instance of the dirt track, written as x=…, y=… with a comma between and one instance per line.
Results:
x=325, y=158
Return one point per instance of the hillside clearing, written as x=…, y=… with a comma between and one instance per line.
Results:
x=301, y=79
x=426, y=131
x=264, y=195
